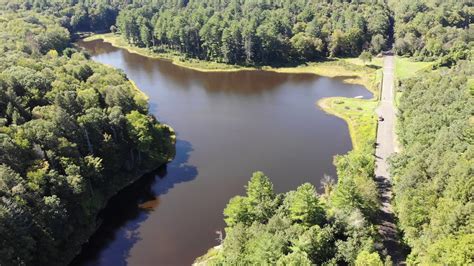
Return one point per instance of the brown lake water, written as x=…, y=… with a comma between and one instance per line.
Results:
x=228, y=125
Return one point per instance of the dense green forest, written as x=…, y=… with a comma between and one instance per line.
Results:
x=72, y=133
x=298, y=227
x=434, y=173
x=430, y=29
x=82, y=15
x=255, y=32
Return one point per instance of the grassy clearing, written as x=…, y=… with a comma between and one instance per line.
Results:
x=407, y=68
x=340, y=68
x=359, y=115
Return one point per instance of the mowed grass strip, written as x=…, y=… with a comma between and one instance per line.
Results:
x=406, y=68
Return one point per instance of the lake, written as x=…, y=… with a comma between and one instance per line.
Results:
x=228, y=125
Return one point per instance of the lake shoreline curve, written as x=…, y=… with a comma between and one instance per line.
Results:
x=341, y=107
x=350, y=71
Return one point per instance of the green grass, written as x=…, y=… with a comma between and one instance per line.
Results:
x=359, y=115
x=376, y=61
x=407, y=68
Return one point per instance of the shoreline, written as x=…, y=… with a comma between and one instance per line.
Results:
x=133, y=177
x=344, y=69
x=361, y=120
x=358, y=114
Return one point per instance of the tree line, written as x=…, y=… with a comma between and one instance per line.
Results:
x=431, y=29
x=255, y=32
x=75, y=15
x=72, y=133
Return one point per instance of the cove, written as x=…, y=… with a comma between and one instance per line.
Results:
x=228, y=125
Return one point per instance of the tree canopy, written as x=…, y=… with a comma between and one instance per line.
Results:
x=299, y=227
x=430, y=29
x=433, y=175
x=72, y=133
x=254, y=32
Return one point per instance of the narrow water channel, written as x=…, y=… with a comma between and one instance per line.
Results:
x=228, y=125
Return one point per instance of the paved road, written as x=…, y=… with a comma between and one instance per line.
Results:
x=385, y=147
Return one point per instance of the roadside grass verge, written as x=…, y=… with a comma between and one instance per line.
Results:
x=405, y=67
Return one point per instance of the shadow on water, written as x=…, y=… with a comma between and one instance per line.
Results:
x=130, y=207
x=237, y=122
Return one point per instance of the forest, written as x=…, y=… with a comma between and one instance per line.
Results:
x=301, y=227
x=257, y=32
x=72, y=133
x=434, y=172
x=433, y=175
x=430, y=29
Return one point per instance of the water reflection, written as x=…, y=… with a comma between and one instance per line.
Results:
x=234, y=123
x=129, y=208
x=241, y=82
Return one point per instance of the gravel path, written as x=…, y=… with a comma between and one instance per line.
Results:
x=385, y=147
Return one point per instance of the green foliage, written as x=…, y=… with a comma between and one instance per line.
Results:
x=451, y=251
x=299, y=230
x=72, y=134
x=356, y=187
x=433, y=175
x=254, y=32
x=73, y=15
x=431, y=29
x=260, y=197
x=366, y=258
x=304, y=206
x=365, y=57
x=237, y=211
x=294, y=259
